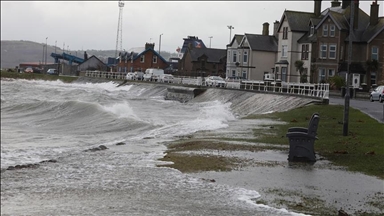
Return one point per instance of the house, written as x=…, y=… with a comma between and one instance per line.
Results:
x=203, y=62
x=293, y=25
x=92, y=63
x=256, y=55
x=193, y=41
x=232, y=56
x=148, y=58
x=319, y=41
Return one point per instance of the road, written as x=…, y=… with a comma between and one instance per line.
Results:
x=373, y=109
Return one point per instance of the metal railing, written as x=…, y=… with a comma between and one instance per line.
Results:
x=320, y=90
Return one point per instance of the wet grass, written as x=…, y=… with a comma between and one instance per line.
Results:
x=194, y=163
x=362, y=150
x=296, y=201
x=36, y=76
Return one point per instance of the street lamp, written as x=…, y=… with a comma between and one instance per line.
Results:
x=230, y=32
x=46, y=50
x=210, y=41
x=160, y=42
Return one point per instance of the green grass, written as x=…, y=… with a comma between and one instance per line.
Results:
x=36, y=76
x=362, y=150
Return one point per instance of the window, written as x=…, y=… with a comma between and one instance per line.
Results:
x=325, y=30
x=229, y=55
x=285, y=32
x=277, y=69
x=154, y=59
x=323, y=51
x=245, y=74
x=131, y=69
x=332, y=52
x=284, y=51
x=375, y=53
x=234, y=56
x=373, y=78
x=321, y=74
x=284, y=74
x=332, y=30
x=233, y=73
x=304, y=52
x=312, y=31
x=245, y=57
x=142, y=58
x=331, y=72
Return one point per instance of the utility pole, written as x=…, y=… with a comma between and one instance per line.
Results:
x=230, y=32
x=210, y=38
x=160, y=42
x=347, y=96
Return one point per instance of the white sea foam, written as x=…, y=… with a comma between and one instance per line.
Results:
x=121, y=110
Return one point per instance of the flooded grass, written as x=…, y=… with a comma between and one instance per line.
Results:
x=362, y=150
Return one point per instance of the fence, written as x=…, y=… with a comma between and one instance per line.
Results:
x=320, y=90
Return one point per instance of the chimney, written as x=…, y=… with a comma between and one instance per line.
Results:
x=275, y=27
x=356, y=16
x=149, y=45
x=317, y=9
x=374, y=16
x=335, y=3
x=345, y=4
x=265, y=28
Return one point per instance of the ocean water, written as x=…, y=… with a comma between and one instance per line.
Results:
x=51, y=120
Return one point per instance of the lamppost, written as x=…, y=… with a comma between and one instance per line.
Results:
x=160, y=42
x=46, y=50
x=230, y=32
x=210, y=41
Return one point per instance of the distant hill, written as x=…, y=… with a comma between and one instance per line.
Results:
x=15, y=52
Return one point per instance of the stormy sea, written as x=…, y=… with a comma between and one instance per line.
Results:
x=94, y=148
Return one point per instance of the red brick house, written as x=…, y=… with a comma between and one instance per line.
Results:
x=149, y=58
x=203, y=62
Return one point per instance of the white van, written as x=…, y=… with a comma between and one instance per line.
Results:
x=153, y=74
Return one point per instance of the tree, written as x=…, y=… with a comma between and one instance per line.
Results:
x=302, y=70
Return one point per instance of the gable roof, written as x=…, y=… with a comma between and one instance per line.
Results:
x=297, y=20
x=213, y=55
x=236, y=38
x=341, y=18
x=93, y=56
x=148, y=50
x=262, y=42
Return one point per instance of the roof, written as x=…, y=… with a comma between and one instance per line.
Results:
x=147, y=50
x=213, y=55
x=341, y=18
x=297, y=20
x=314, y=21
x=369, y=33
x=93, y=56
x=194, y=41
x=262, y=42
x=306, y=38
x=236, y=38
x=355, y=67
x=282, y=62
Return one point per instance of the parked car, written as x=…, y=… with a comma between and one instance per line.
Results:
x=37, y=70
x=215, y=81
x=52, y=71
x=130, y=76
x=28, y=70
x=139, y=75
x=377, y=94
x=166, y=78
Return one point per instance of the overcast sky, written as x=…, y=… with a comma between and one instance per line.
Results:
x=93, y=25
